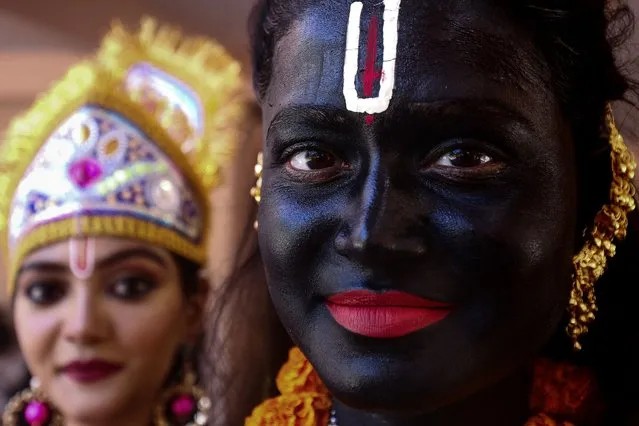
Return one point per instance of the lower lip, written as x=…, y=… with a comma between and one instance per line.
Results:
x=382, y=321
x=91, y=374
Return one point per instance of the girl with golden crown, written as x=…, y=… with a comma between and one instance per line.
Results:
x=105, y=217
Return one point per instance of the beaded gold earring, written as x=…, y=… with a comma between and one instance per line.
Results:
x=611, y=224
x=256, y=191
x=184, y=404
x=31, y=407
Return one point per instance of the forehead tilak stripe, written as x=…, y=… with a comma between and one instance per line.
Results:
x=379, y=103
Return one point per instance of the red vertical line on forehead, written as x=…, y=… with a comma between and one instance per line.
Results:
x=80, y=252
x=370, y=73
x=83, y=254
x=82, y=257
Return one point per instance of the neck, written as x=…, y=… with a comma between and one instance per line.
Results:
x=503, y=404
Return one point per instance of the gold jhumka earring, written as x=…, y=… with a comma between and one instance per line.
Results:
x=31, y=407
x=256, y=191
x=611, y=223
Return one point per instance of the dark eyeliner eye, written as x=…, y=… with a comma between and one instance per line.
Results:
x=131, y=288
x=464, y=158
x=45, y=293
x=313, y=159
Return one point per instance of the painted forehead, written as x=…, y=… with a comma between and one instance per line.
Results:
x=361, y=55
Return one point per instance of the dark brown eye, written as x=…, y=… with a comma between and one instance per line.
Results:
x=312, y=159
x=464, y=158
x=45, y=293
x=131, y=288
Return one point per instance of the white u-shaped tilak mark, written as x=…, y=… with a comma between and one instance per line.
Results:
x=82, y=257
x=351, y=63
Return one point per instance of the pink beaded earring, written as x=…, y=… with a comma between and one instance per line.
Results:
x=30, y=406
x=184, y=404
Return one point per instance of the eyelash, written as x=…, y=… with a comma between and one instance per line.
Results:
x=494, y=156
x=284, y=155
x=149, y=285
x=47, y=286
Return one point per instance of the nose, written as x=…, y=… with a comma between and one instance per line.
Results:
x=84, y=321
x=381, y=223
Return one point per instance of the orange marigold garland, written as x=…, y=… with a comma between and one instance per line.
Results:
x=543, y=420
x=304, y=400
x=298, y=375
x=566, y=391
x=560, y=390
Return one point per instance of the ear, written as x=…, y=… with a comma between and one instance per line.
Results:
x=195, y=309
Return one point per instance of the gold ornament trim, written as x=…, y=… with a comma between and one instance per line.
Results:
x=256, y=191
x=84, y=84
x=201, y=64
x=107, y=225
x=611, y=223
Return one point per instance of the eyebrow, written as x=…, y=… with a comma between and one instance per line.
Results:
x=467, y=107
x=312, y=115
x=342, y=121
x=103, y=263
x=496, y=56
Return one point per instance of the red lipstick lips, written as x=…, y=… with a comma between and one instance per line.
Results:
x=90, y=371
x=385, y=315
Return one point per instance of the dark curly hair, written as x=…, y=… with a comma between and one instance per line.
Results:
x=582, y=43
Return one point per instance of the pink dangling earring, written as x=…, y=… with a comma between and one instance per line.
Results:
x=184, y=404
x=30, y=406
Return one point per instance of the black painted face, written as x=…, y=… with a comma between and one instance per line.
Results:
x=462, y=192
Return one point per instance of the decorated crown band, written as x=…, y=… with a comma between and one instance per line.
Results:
x=128, y=145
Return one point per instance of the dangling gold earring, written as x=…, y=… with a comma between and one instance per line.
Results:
x=256, y=191
x=611, y=223
x=184, y=404
x=32, y=407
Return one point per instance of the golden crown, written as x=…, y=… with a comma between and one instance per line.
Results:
x=128, y=144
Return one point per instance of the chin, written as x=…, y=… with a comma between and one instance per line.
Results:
x=91, y=405
x=424, y=371
x=88, y=410
x=402, y=387
x=374, y=382
x=383, y=397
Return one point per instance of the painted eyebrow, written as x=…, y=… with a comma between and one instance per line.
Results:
x=496, y=56
x=104, y=263
x=467, y=106
x=336, y=118
x=341, y=120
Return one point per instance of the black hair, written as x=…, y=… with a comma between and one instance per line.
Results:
x=582, y=43
x=190, y=280
x=14, y=375
x=245, y=344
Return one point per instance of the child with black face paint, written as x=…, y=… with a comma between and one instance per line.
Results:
x=443, y=187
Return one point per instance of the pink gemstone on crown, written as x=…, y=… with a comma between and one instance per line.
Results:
x=85, y=172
